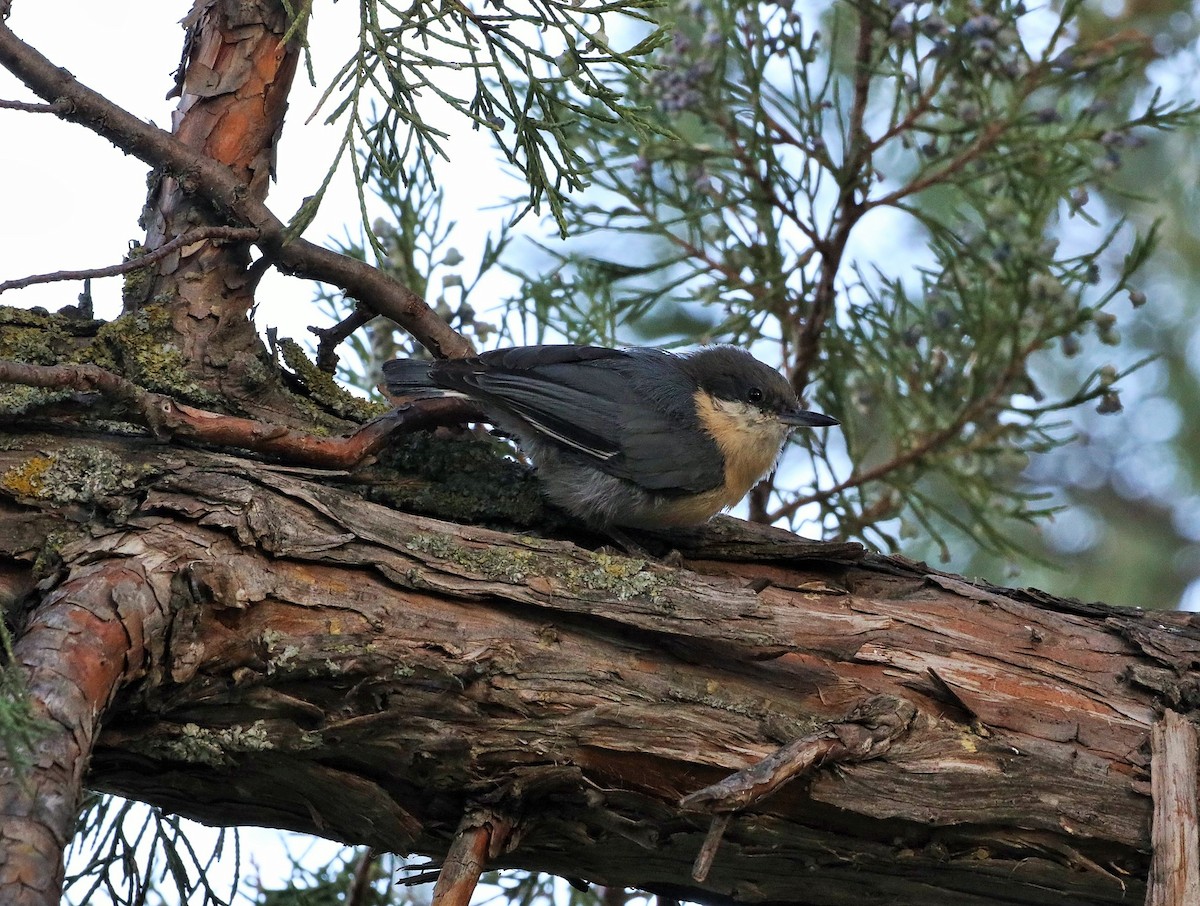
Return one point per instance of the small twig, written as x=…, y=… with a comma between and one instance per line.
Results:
x=361, y=883
x=166, y=417
x=463, y=866
x=27, y=107
x=332, y=337
x=200, y=234
x=423, y=878
x=849, y=211
x=1175, y=835
x=708, y=849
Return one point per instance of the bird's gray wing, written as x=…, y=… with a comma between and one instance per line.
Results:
x=562, y=394
x=595, y=403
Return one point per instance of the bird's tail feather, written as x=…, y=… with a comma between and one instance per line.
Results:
x=410, y=377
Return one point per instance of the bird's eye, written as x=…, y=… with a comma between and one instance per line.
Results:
x=754, y=395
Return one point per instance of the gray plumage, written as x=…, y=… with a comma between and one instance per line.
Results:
x=615, y=434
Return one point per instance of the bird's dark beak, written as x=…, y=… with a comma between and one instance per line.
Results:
x=802, y=418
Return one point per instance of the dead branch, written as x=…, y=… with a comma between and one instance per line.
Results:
x=332, y=337
x=479, y=838
x=58, y=107
x=1175, y=865
x=201, y=234
x=867, y=732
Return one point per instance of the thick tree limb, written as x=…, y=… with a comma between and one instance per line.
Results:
x=200, y=174
x=373, y=676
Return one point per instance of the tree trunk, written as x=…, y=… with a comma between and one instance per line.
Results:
x=269, y=649
x=232, y=84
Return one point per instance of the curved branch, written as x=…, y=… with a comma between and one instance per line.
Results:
x=202, y=175
x=167, y=417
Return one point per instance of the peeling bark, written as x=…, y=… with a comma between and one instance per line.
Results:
x=332, y=666
x=233, y=85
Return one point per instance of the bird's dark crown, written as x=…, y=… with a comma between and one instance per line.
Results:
x=731, y=373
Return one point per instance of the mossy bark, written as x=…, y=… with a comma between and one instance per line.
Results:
x=300, y=657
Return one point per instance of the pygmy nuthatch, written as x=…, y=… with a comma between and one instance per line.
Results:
x=627, y=437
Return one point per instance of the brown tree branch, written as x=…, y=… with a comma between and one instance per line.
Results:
x=464, y=864
x=361, y=884
x=201, y=234
x=167, y=417
x=202, y=175
x=99, y=630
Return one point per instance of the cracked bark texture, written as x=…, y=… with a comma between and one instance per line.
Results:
x=329, y=665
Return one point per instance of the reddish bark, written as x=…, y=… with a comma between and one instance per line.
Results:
x=96, y=632
x=233, y=87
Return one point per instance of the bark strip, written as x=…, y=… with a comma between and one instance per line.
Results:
x=1175, y=866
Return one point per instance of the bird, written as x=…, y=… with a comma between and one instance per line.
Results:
x=637, y=438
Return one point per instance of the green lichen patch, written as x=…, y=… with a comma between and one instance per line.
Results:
x=620, y=577
x=623, y=578
x=16, y=399
x=78, y=475
x=324, y=389
x=502, y=564
x=217, y=747
x=142, y=346
x=34, y=337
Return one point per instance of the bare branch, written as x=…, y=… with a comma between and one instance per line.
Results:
x=463, y=866
x=866, y=732
x=1174, y=868
x=332, y=337
x=201, y=234
x=58, y=107
x=361, y=886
